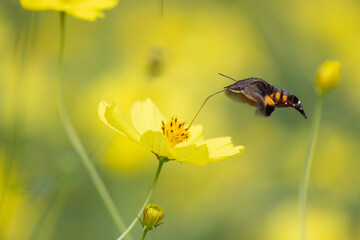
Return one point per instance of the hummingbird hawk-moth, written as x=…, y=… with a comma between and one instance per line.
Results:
x=260, y=94
x=265, y=97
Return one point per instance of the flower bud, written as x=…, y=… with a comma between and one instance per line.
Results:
x=328, y=76
x=153, y=214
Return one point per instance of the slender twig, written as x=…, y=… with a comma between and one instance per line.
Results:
x=307, y=167
x=145, y=203
x=23, y=44
x=146, y=230
x=74, y=139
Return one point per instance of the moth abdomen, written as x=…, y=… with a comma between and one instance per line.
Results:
x=283, y=98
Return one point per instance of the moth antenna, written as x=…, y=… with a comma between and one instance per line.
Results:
x=204, y=104
x=227, y=77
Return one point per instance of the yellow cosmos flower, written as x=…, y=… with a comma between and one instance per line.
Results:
x=84, y=9
x=167, y=139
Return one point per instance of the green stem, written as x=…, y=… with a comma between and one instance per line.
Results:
x=145, y=203
x=19, y=94
x=74, y=139
x=307, y=166
x=40, y=222
x=161, y=8
x=146, y=229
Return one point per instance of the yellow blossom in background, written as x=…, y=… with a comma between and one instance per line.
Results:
x=172, y=139
x=328, y=76
x=15, y=211
x=88, y=10
x=132, y=158
x=325, y=222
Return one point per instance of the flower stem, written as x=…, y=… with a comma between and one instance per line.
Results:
x=14, y=147
x=145, y=203
x=307, y=166
x=146, y=229
x=75, y=141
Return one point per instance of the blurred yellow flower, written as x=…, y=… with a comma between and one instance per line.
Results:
x=84, y=9
x=171, y=140
x=328, y=76
x=325, y=222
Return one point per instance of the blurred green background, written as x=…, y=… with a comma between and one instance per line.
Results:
x=133, y=53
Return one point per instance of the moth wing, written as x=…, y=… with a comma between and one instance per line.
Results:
x=265, y=111
x=254, y=94
x=265, y=105
x=260, y=84
x=268, y=110
x=240, y=97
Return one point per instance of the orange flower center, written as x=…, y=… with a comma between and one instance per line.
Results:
x=175, y=131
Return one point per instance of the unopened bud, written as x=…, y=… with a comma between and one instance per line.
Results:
x=328, y=76
x=153, y=214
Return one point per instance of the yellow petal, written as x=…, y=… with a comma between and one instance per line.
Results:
x=192, y=154
x=222, y=148
x=195, y=136
x=146, y=116
x=89, y=10
x=112, y=116
x=37, y=5
x=84, y=9
x=196, y=133
x=88, y=15
x=156, y=142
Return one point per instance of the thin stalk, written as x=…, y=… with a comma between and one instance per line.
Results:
x=146, y=229
x=40, y=222
x=145, y=203
x=23, y=45
x=75, y=141
x=307, y=166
